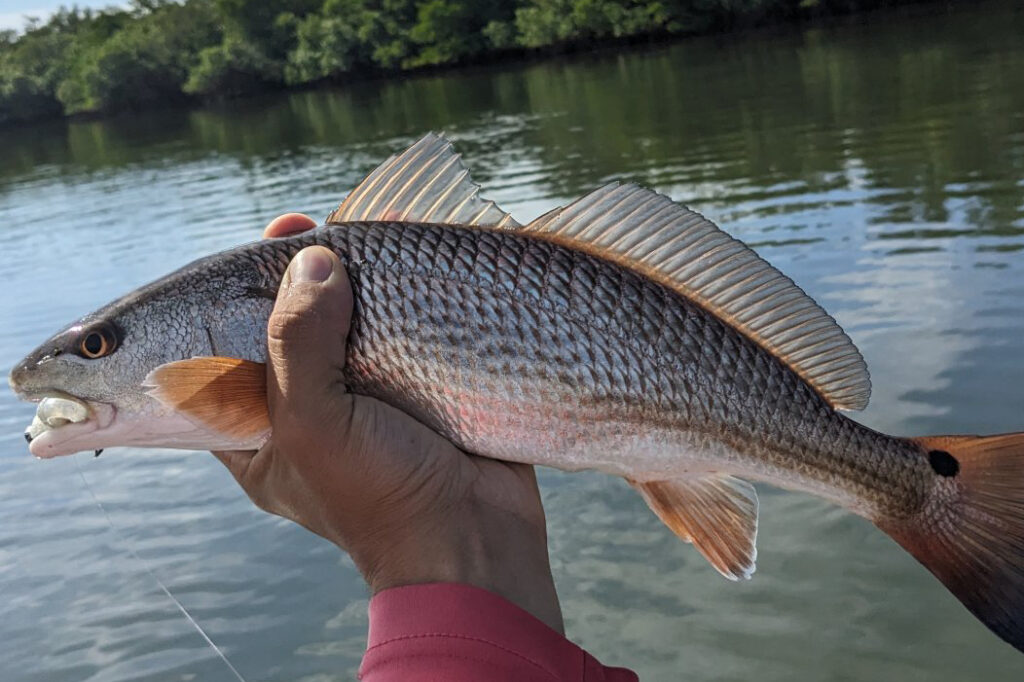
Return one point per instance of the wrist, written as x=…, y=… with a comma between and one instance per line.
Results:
x=474, y=543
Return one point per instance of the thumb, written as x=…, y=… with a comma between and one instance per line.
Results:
x=306, y=338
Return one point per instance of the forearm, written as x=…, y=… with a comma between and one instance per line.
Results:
x=460, y=633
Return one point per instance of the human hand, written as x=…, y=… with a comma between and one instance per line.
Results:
x=405, y=503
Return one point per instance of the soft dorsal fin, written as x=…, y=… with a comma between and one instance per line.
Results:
x=651, y=234
x=716, y=512
x=426, y=183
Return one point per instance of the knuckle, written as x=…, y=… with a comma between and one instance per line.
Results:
x=285, y=325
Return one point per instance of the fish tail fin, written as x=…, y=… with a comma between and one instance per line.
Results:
x=970, y=534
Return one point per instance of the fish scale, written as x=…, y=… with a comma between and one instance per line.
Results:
x=635, y=352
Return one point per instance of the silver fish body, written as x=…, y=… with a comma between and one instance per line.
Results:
x=523, y=350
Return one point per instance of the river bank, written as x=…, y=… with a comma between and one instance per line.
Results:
x=82, y=64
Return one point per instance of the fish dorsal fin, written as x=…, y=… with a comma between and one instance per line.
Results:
x=651, y=234
x=716, y=512
x=427, y=183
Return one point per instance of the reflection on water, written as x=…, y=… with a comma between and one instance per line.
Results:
x=879, y=163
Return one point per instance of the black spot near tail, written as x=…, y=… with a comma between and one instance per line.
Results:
x=943, y=463
x=970, y=533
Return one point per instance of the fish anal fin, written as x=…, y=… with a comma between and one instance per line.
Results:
x=226, y=395
x=427, y=183
x=717, y=513
x=649, y=233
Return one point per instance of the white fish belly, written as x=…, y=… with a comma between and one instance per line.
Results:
x=564, y=435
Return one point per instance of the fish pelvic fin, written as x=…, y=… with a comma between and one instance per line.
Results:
x=680, y=249
x=226, y=395
x=426, y=183
x=970, y=533
x=717, y=513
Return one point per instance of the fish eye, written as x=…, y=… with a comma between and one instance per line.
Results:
x=97, y=343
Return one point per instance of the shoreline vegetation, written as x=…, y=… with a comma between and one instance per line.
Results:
x=155, y=53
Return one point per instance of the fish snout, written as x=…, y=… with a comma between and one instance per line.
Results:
x=21, y=376
x=35, y=375
x=25, y=375
x=31, y=377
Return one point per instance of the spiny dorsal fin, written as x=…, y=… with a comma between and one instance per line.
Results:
x=427, y=183
x=717, y=513
x=648, y=232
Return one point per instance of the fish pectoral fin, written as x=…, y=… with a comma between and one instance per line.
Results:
x=427, y=183
x=717, y=513
x=226, y=395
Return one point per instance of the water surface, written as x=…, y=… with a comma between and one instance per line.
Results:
x=879, y=163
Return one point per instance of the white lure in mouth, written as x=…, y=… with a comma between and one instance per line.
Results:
x=61, y=421
x=64, y=425
x=53, y=413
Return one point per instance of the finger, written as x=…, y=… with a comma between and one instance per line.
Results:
x=289, y=223
x=306, y=340
x=528, y=474
x=252, y=470
x=236, y=461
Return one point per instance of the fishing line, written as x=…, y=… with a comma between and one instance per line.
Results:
x=145, y=565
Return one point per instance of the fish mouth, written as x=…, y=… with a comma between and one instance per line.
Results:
x=64, y=425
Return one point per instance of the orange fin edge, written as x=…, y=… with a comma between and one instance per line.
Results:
x=717, y=513
x=970, y=533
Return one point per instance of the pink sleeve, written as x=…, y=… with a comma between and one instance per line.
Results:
x=459, y=633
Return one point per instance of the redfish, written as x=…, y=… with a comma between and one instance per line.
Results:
x=623, y=333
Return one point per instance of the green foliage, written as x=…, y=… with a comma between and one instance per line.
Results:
x=134, y=67
x=544, y=23
x=27, y=79
x=450, y=30
x=23, y=98
x=501, y=35
x=143, y=62
x=385, y=28
x=160, y=50
x=230, y=68
x=325, y=46
x=548, y=22
x=33, y=65
x=257, y=23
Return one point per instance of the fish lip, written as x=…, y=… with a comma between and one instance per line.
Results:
x=54, y=442
x=39, y=395
x=66, y=439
